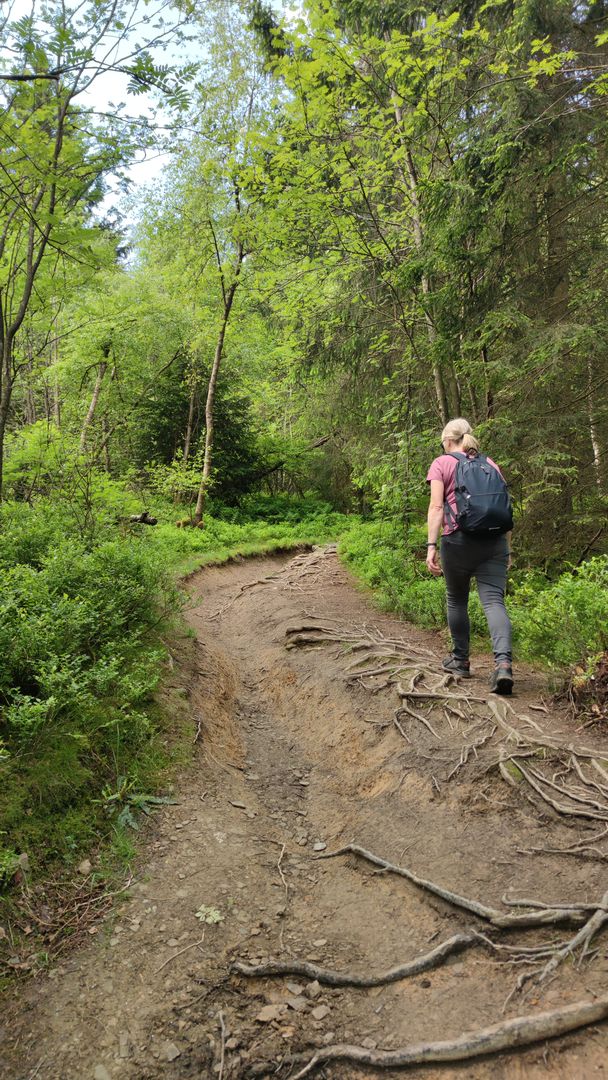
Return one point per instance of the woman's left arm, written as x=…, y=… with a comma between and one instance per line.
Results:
x=434, y=522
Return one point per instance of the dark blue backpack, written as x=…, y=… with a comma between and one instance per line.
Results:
x=483, y=502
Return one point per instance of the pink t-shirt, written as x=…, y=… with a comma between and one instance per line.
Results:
x=444, y=468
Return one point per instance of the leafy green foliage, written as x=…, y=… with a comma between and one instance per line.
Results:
x=409, y=202
x=80, y=661
x=9, y=863
x=566, y=620
x=256, y=527
x=208, y=915
x=392, y=567
x=123, y=803
x=81, y=655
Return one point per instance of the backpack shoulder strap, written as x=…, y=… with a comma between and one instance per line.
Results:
x=449, y=513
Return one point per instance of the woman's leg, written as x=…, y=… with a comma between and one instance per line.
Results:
x=457, y=576
x=491, y=577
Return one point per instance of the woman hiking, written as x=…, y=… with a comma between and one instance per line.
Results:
x=485, y=554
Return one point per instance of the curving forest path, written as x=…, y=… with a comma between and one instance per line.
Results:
x=297, y=754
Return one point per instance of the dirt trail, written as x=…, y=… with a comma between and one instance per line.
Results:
x=287, y=760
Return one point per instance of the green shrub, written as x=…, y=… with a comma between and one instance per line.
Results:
x=230, y=532
x=80, y=659
x=9, y=864
x=394, y=567
x=565, y=621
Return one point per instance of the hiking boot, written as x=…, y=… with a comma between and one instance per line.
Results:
x=456, y=666
x=502, y=679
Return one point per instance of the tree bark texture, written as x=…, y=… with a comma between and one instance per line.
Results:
x=228, y=297
x=88, y=420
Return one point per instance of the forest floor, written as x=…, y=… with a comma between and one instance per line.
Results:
x=296, y=756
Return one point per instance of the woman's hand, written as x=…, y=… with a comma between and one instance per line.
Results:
x=432, y=561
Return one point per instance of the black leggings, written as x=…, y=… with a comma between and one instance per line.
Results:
x=463, y=557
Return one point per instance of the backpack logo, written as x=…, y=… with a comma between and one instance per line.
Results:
x=483, y=503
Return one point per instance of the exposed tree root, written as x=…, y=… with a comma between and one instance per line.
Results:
x=393, y=653
x=585, y=847
x=438, y=695
x=508, y=1035
x=535, y=781
x=338, y=978
x=243, y=589
x=299, y=567
x=583, y=937
x=471, y=748
x=499, y=919
x=417, y=716
x=499, y=710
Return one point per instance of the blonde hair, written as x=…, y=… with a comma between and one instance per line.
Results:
x=459, y=430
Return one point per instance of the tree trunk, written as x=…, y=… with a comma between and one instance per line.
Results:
x=6, y=389
x=93, y=406
x=593, y=431
x=30, y=407
x=440, y=388
x=190, y=424
x=106, y=444
x=56, y=393
x=56, y=403
x=411, y=181
x=557, y=295
x=210, y=402
x=487, y=387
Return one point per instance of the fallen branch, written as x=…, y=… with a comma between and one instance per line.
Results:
x=508, y=1035
x=223, y=1044
x=329, y=977
x=192, y=945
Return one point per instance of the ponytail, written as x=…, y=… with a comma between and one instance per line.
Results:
x=469, y=442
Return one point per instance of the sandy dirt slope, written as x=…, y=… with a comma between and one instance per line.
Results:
x=290, y=756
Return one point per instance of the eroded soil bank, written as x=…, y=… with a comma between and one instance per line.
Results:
x=294, y=759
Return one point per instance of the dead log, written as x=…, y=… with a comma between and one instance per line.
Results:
x=143, y=519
